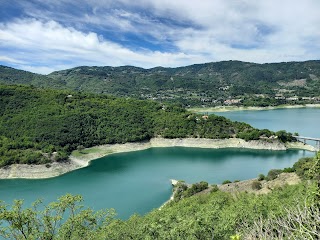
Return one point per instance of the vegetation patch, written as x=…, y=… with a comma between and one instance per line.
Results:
x=256, y=185
x=273, y=174
x=78, y=153
x=226, y=182
x=39, y=126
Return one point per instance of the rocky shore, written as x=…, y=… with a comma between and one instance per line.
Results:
x=83, y=159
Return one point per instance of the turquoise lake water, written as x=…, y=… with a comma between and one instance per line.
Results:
x=305, y=121
x=139, y=181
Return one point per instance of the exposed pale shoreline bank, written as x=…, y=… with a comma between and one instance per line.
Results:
x=78, y=161
x=241, y=108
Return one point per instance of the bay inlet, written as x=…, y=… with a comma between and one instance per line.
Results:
x=136, y=182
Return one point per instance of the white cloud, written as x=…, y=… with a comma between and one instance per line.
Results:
x=10, y=60
x=198, y=31
x=54, y=45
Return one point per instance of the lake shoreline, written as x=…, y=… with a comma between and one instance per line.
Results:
x=241, y=108
x=80, y=160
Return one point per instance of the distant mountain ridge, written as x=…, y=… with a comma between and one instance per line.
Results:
x=198, y=84
x=10, y=76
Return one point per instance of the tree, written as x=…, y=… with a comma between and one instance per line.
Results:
x=64, y=219
x=261, y=177
x=80, y=148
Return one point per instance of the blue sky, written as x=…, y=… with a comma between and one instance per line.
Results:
x=47, y=35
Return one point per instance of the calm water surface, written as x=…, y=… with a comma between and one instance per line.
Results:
x=137, y=182
x=305, y=121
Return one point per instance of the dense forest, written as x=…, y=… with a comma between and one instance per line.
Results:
x=10, y=76
x=40, y=125
x=209, y=84
x=289, y=212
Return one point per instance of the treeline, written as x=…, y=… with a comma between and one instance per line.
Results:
x=207, y=84
x=242, y=77
x=41, y=125
x=290, y=212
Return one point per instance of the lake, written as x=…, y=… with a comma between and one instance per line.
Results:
x=139, y=181
x=305, y=121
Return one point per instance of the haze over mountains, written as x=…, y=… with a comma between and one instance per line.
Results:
x=226, y=82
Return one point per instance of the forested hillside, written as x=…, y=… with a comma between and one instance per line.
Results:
x=209, y=84
x=41, y=125
x=219, y=78
x=10, y=76
x=289, y=212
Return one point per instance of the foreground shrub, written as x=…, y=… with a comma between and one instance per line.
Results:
x=299, y=223
x=273, y=174
x=303, y=166
x=256, y=185
x=64, y=219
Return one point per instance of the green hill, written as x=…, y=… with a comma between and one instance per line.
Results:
x=11, y=76
x=43, y=125
x=206, y=84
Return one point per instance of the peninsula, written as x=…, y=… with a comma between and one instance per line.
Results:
x=40, y=128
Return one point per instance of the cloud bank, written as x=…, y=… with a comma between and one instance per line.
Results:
x=42, y=36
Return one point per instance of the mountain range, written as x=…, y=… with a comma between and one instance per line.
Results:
x=199, y=84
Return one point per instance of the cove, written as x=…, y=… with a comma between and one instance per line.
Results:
x=302, y=120
x=137, y=182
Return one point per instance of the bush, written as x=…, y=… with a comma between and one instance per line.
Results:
x=288, y=170
x=256, y=185
x=196, y=188
x=226, y=182
x=303, y=166
x=61, y=156
x=301, y=222
x=80, y=148
x=182, y=190
x=273, y=174
x=179, y=189
x=214, y=188
x=261, y=177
